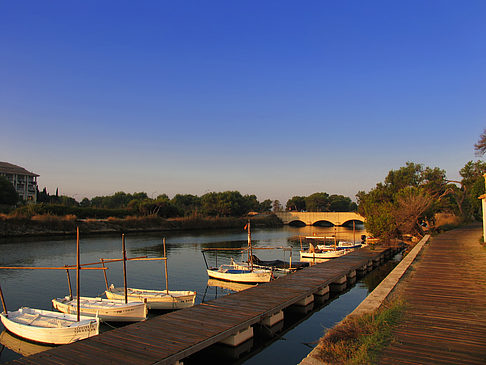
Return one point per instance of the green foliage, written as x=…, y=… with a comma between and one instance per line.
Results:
x=265, y=206
x=409, y=196
x=317, y=202
x=61, y=210
x=8, y=194
x=296, y=203
x=321, y=202
x=228, y=203
x=186, y=203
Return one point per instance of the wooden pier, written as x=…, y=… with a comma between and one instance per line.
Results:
x=445, y=316
x=170, y=338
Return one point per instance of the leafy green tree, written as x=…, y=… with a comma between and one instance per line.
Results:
x=187, y=203
x=340, y=203
x=265, y=206
x=276, y=206
x=317, y=202
x=8, y=194
x=296, y=203
x=408, y=197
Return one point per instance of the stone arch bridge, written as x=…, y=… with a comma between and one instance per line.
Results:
x=311, y=218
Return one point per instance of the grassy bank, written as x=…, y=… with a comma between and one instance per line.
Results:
x=46, y=224
x=359, y=340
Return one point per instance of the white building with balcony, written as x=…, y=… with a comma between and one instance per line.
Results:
x=24, y=182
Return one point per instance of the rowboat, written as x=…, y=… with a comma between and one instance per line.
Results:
x=48, y=326
x=154, y=299
x=239, y=275
x=107, y=310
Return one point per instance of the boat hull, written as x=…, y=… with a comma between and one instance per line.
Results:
x=105, y=309
x=155, y=299
x=49, y=327
x=240, y=276
x=323, y=255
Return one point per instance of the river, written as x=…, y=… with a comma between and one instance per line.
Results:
x=187, y=271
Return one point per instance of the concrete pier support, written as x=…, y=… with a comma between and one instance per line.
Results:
x=306, y=301
x=273, y=319
x=339, y=284
x=322, y=291
x=239, y=337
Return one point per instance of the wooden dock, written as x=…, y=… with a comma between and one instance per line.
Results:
x=445, y=317
x=169, y=338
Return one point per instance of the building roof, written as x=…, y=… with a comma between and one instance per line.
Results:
x=9, y=168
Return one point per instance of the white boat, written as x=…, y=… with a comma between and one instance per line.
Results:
x=326, y=254
x=107, y=310
x=239, y=275
x=49, y=327
x=342, y=245
x=155, y=299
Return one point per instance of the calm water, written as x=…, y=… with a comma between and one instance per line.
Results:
x=36, y=288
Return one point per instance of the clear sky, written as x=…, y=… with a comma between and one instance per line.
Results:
x=273, y=98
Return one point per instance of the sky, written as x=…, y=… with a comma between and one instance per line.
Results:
x=272, y=98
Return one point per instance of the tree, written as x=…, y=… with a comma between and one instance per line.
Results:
x=296, y=203
x=8, y=194
x=317, y=202
x=480, y=146
x=265, y=206
x=408, y=197
x=276, y=206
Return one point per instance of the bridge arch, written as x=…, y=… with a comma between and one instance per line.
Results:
x=297, y=223
x=323, y=223
x=310, y=218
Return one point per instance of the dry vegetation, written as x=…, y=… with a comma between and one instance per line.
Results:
x=358, y=340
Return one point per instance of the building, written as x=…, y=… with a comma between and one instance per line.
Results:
x=24, y=182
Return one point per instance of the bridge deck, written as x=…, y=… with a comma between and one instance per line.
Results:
x=176, y=335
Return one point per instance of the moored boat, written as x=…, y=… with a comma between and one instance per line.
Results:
x=239, y=275
x=154, y=299
x=107, y=310
x=48, y=326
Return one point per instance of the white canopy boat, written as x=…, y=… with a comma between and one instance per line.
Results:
x=155, y=299
x=238, y=273
x=107, y=310
x=49, y=327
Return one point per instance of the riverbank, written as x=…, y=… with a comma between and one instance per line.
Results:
x=58, y=226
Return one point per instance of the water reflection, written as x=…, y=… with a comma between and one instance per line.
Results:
x=21, y=346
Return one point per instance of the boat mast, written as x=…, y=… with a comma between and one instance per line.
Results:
x=104, y=272
x=124, y=253
x=249, y=246
x=166, y=272
x=78, y=267
x=69, y=284
x=3, y=302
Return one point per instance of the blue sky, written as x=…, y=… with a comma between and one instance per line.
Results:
x=273, y=98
